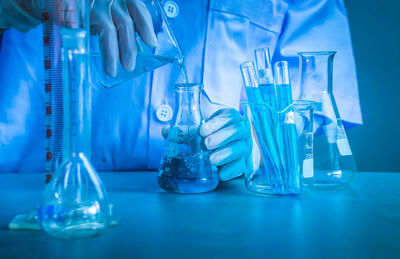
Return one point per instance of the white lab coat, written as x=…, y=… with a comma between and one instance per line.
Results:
x=215, y=36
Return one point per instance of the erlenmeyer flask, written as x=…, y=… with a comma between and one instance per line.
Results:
x=185, y=167
x=333, y=160
x=148, y=59
x=75, y=202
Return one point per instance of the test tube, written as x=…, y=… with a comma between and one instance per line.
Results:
x=263, y=122
x=283, y=88
x=250, y=82
x=265, y=77
x=287, y=127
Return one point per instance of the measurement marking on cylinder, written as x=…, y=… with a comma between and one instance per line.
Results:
x=53, y=17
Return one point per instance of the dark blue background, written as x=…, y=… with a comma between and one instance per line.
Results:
x=375, y=28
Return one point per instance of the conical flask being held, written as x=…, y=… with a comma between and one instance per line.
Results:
x=185, y=166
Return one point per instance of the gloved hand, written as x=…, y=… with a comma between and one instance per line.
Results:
x=228, y=136
x=115, y=23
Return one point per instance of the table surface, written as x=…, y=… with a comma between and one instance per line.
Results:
x=359, y=222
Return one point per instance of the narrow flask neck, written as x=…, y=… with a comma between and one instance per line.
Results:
x=187, y=105
x=78, y=123
x=76, y=94
x=316, y=74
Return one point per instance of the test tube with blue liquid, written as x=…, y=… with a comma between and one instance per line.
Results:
x=287, y=127
x=250, y=82
x=268, y=92
x=265, y=77
x=264, y=123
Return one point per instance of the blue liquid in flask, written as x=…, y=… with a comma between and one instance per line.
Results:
x=185, y=167
x=188, y=174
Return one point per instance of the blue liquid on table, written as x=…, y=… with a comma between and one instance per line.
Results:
x=188, y=174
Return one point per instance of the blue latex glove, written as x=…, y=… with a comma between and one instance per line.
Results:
x=228, y=136
x=116, y=23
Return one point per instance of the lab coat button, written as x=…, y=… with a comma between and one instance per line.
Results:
x=164, y=113
x=171, y=9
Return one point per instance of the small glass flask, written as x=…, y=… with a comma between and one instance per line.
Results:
x=185, y=166
x=334, y=165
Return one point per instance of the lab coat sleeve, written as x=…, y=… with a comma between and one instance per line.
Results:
x=318, y=25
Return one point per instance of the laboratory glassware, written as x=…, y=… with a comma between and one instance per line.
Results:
x=55, y=20
x=75, y=202
x=266, y=119
x=57, y=16
x=185, y=166
x=274, y=132
x=266, y=175
x=250, y=82
x=333, y=160
x=304, y=118
x=265, y=77
x=287, y=139
x=148, y=59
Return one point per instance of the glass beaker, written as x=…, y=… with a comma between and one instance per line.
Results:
x=270, y=176
x=304, y=119
x=185, y=166
x=75, y=202
x=275, y=130
x=148, y=59
x=333, y=160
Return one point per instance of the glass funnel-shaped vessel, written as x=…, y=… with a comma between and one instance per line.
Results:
x=333, y=160
x=167, y=50
x=75, y=202
x=185, y=166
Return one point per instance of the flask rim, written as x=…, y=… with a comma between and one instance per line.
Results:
x=316, y=53
x=188, y=87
